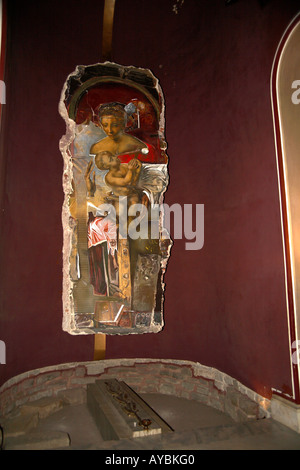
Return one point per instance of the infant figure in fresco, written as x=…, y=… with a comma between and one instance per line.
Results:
x=121, y=178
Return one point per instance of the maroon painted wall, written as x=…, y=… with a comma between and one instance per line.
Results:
x=225, y=304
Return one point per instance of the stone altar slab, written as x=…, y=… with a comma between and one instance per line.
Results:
x=120, y=413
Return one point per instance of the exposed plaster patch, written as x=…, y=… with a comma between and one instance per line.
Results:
x=177, y=6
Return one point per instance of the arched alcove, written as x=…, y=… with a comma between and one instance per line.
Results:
x=285, y=94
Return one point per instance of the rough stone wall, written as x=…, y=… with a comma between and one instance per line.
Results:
x=179, y=378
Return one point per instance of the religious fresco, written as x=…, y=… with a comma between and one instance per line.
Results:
x=115, y=175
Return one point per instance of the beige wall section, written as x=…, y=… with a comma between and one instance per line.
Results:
x=288, y=95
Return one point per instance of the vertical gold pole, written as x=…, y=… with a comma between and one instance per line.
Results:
x=99, y=347
x=108, y=20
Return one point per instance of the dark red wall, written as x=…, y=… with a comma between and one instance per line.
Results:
x=225, y=304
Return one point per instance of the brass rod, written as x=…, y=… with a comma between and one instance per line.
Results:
x=107, y=33
x=108, y=20
x=99, y=347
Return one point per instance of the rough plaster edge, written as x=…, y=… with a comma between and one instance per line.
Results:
x=286, y=412
x=65, y=141
x=68, y=322
x=221, y=380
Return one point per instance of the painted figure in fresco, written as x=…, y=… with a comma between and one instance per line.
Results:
x=113, y=118
x=122, y=178
x=128, y=163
